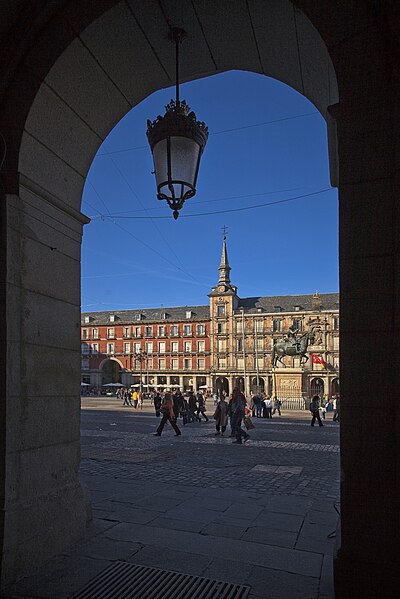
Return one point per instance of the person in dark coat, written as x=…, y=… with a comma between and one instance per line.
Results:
x=178, y=404
x=168, y=415
x=238, y=405
x=221, y=416
x=157, y=404
x=201, y=407
x=314, y=409
x=193, y=407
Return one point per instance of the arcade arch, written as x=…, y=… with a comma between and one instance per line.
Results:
x=111, y=371
x=65, y=83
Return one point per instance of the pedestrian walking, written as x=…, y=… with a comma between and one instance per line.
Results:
x=322, y=408
x=221, y=416
x=157, y=400
x=257, y=400
x=277, y=406
x=135, y=399
x=140, y=400
x=314, y=409
x=201, y=408
x=167, y=411
x=238, y=406
x=268, y=407
x=178, y=403
x=336, y=410
x=193, y=408
x=127, y=395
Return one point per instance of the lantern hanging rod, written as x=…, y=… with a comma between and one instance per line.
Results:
x=176, y=35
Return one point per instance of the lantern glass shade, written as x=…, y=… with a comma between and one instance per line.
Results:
x=176, y=164
x=177, y=141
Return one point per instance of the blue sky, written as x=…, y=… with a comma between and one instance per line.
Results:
x=136, y=255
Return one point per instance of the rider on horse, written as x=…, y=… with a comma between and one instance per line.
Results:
x=291, y=337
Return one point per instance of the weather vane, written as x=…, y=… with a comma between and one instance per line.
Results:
x=224, y=228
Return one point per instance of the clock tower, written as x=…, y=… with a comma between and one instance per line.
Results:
x=224, y=293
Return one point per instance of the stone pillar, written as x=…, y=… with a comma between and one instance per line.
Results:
x=44, y=507
x=168, y=380
x=181, y=382
x=368, y=124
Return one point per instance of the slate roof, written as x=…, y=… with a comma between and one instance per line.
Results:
x=287, y=303
x=149, y=315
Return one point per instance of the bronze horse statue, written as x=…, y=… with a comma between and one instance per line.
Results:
x=295, y=346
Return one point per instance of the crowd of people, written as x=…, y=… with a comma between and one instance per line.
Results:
x=233, y=410
x=192, y=407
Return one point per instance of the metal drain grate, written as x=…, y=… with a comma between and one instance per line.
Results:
x=129, y=581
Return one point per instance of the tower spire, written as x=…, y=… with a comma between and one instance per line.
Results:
x=224, y=268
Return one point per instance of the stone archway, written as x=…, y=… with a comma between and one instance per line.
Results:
x=65, y=82
x=257, y=384
x=317, y=387
x=335, y=387
x=110, y=372
x=221, y=385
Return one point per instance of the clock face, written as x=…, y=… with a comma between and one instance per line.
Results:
x=221, y=288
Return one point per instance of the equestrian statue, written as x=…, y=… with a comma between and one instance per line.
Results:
x=293, y=345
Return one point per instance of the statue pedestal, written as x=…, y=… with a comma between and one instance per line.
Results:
x=288, y=386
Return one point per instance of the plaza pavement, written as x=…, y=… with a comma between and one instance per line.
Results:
x=262, y=514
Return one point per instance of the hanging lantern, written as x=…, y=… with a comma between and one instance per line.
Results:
x=177, y=141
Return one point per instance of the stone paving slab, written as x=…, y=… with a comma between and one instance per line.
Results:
x=297, y=562
x=270, y=536
x=275, y=584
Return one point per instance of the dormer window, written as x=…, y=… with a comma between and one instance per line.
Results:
x=259, y=310
x=87, y=319
x=188, y=314
x=164, y=315
x=138, y=317
x=112, y=317
x=278, y=308
x=297, y=308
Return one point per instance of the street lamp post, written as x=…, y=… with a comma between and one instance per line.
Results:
x=244, y=352
x=141, y=356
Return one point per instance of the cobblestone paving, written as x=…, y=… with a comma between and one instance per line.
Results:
x=292, y=457
x=263, y=482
